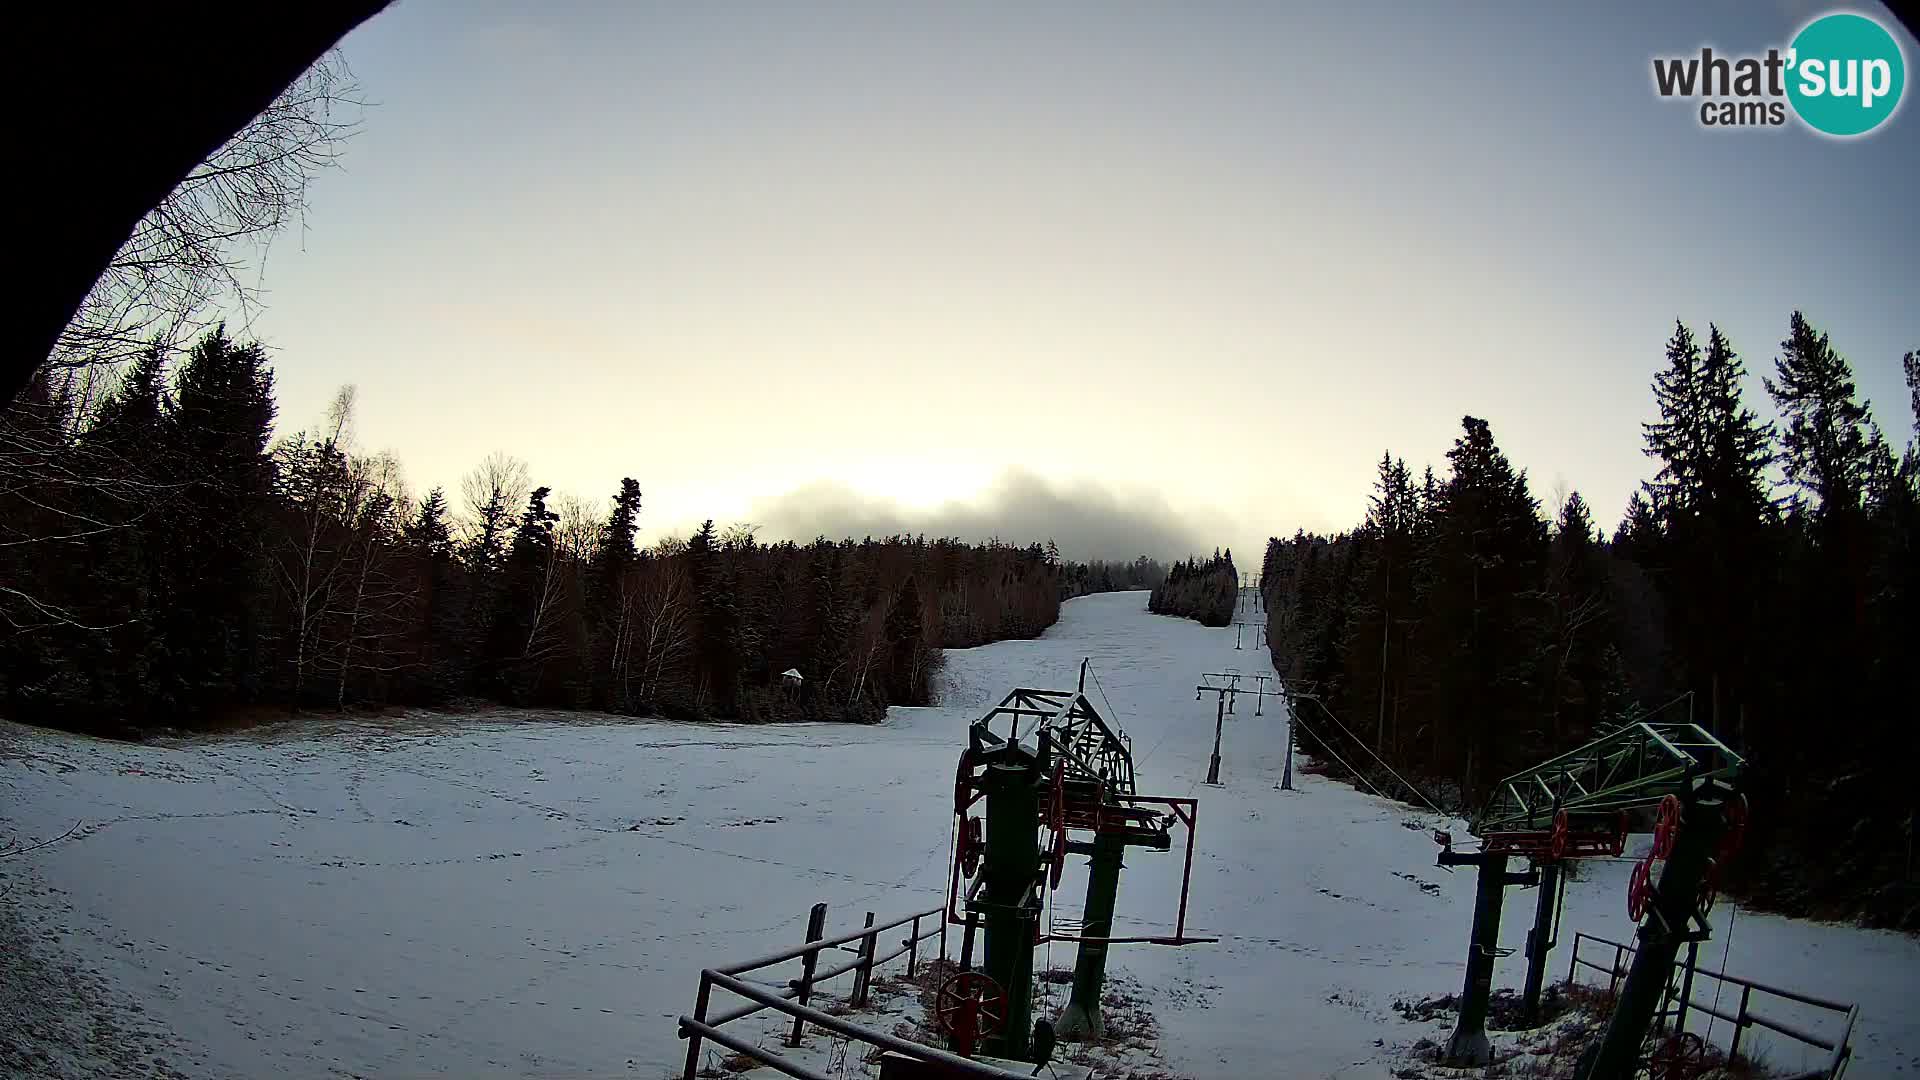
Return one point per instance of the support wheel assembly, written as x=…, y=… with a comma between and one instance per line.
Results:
x=1640, y=889
x=971, y=844
x=970, y=1007
x=1666, y=826
x=1680, y=1057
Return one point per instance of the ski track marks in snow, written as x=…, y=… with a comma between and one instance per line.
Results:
x=526, y=893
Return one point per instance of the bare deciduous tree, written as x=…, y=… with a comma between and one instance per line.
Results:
x=577, y=534
x=374, y=608
x=495, y=492
x=188, y=256
x=663, y=602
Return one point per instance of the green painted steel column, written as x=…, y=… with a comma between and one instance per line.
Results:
x=1081, y=1019
x=1540, y=939
x=1662, y=932
x=1011, y=865
x=1468, y=1047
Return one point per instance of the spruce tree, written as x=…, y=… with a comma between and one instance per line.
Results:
x=523, y=615
x=1677, y=438
x=1829, y=439
x=441, y=669
x=211, y=560
x=906, y=646
x=1482, y=630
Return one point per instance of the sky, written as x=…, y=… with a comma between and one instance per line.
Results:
x=1147, y=277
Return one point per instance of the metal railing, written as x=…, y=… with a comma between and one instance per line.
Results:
x=702, y=1026
x=1839, y=1048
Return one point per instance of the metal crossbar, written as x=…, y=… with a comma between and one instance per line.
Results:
x=1635, y=766
x=812, y=949
x=703, y=1026
x=694, y=1028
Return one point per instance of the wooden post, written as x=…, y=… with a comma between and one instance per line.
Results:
x=863, y=975
x=816, y=929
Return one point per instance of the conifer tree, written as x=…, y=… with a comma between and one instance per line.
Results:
x=211, y=559
x=1829, y=439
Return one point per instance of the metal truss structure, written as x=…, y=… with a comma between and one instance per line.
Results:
x=1636, y=766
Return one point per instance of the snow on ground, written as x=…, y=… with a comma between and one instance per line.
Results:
x=532, y=894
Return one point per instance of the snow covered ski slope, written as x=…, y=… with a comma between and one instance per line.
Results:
x=521, y=894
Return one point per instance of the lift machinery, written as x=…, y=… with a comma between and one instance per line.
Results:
x=1056, y=779
x=1583, y=804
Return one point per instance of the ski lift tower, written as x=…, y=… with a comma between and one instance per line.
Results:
x=1226, y=686
x=1582, y=804
x=1056, y=768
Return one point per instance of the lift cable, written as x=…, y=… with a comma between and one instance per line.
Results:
x=1114, y=712
x=1733, y=914
x=1416, y=791
x=1357, y=774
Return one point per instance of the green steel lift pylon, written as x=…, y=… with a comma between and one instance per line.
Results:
x=1574, y=806
x=1059, y=767
x=1673, y=918
x=1011, y=904
x=1081, y=1018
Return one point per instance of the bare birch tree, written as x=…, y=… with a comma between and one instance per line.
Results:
x=188, y=256
x=376, y=602
x=663, y=617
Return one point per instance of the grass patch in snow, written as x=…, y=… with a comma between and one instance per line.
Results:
x=1574, y=1019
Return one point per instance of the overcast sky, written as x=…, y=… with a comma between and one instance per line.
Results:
x=1187, y=269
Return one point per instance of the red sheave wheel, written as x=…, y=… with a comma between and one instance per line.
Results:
x=1680, y=1057
x=1639, y=889
x=1666, y=827
x=970, y=1007
x=1709, y=887
x=1736, y=815
x=963, y=782
x=1560, y=831
x=971, y=844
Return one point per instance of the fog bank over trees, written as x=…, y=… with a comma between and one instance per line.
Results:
x=1085, y=520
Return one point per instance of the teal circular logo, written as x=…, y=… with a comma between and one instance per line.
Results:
x=1845, y=74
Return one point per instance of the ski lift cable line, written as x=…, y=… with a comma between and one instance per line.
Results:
x=1416, y=791
x=1097, y=685
x=1357, y=774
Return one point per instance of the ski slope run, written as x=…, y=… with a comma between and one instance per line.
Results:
x=523, y=894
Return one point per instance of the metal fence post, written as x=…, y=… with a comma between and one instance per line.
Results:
x=943, y=936
x=1740, y=1022
x=1686, y=985
x=913, y=947
x=693, y=1037
x=863, y=975
x=816, y=928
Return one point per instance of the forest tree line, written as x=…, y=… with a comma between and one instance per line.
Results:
x=1762, y=582
x=166, y=561
x=1102, y=575
x=1203, y=591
